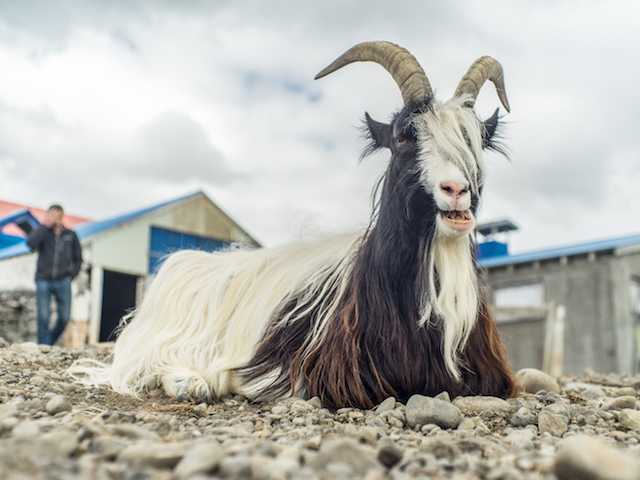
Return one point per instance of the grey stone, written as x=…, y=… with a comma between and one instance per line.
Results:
x=620, y=403
x=387, y=404
x=200, y=410
x=59, y=403
x=586, y=390
x=444, y=396
x=466, y=424
x=152, y=454
x=421, y=410
x=479, y=404
x=315, y=402
x=105, y=446
x=629, y=418
x=344, y=451
x=25, y=429
x=532, y=381
x=587, y=458
x=523, y=417
x=548, y=422
x=204, y=458
x=133, y=432
x=389, y=455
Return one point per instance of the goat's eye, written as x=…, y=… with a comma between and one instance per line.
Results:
x=401, y=141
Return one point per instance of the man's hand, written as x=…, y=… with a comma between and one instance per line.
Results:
x=53, y=219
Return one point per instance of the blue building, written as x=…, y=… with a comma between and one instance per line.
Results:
x=121, y=254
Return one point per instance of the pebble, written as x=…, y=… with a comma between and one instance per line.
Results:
x=59, y=403
x=588, y=391
x=620, y=403
x=204, y=458
x=532, y=381
x=523, y=417
x=388, y=404
x=587, y=458
x=421, y=410
x=101, y=434
x=478, y=405
x=556, y=425
x=629, y=419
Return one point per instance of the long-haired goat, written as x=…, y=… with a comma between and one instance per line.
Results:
x=395, y=310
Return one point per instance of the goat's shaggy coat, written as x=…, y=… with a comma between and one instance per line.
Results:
x=395, y=310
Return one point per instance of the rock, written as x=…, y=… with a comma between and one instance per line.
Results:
x=358, y=460
x=587, y=458
x=200, y=410
x=629, y=418
x=586, y=390
x=25, y=429
x=133, y=432
x=556, y=425
x=522, y=438
x=444, y=396
x=523, y=417
x=300, y=407
x=466, y=424
x=157, y=455
x=479, y=404
x=625, y=391
x=620, y=403
x=532, y=381
x=59, y=403
x=204, y=458
x=389, y=455
x=280, y=410
x=105, y=446
x=388, y=404
x=421, y=410
x=315, y=402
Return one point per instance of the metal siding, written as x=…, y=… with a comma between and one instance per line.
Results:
x=164, y=242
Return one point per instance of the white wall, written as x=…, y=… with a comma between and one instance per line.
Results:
x=18, y=273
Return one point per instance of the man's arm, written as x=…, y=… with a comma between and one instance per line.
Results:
x=35, y=239
x=76, y=256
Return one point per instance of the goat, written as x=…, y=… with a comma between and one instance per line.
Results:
x=398, y=309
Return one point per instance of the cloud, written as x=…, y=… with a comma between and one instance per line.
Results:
x=109, y=106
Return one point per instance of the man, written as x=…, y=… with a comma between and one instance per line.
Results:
x=59, y=261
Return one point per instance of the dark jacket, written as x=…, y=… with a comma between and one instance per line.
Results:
x=59, y=256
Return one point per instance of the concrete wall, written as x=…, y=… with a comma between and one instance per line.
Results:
x=585, y=285
x=18, y=273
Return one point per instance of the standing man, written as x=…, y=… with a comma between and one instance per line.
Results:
x=59, y=261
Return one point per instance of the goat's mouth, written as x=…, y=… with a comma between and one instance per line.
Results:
x=458, y=220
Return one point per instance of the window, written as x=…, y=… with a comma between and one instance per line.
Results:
x=521, y=296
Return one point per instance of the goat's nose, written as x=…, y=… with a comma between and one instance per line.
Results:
x=453, y=189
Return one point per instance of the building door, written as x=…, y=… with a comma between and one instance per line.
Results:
x=118, y=299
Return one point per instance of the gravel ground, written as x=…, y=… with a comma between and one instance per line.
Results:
x=583, y=426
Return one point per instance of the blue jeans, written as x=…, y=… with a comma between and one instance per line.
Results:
x=61, y=290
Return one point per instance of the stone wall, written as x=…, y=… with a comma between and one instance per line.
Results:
x=18, y=321
x=18, y=316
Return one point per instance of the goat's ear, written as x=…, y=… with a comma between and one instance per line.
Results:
x=489, y=127
x=380, y=133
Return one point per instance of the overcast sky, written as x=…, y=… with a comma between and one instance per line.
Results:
x=109, y=106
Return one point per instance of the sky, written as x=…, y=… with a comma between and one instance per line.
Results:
x=107, y=107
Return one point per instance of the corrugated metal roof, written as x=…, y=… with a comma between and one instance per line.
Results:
x=90, y=229
x=568, y=251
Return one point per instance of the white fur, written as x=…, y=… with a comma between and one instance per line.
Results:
x=445, y=154
x=204, y=315
x=456, y=301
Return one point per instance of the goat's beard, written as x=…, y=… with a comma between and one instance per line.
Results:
x=450, y=294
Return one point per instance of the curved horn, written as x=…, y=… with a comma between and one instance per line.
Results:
x=403, y=67
x=483, y=69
